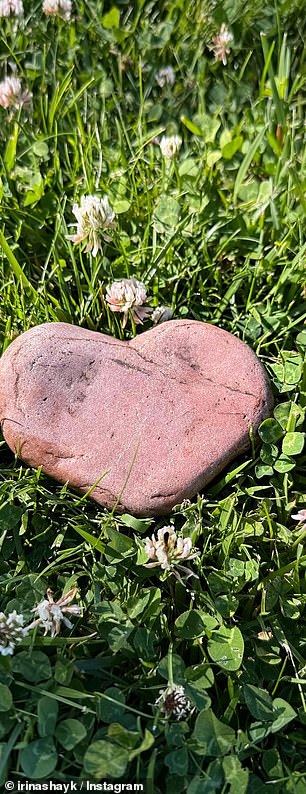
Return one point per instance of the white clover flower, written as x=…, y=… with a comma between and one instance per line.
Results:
x=12, y=631
x=10, y=8
x=161, y=314
x=51, y=613
x=12, y=95
x=165, y=76
x=170, y=146
x=300, y=516
x=128, y=296
x=58, y=8
x=94, y=215
x=173, y=702
x=220, y=44
x=167, y=550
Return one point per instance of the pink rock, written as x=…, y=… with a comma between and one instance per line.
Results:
x=151, y=421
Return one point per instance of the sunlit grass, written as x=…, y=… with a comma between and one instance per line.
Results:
x=216, y=234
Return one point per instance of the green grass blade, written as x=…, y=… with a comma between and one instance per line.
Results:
x=246, y=162
x=17, y=270
x=280, y=114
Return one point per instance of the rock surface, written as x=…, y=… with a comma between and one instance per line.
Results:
x=152, y=420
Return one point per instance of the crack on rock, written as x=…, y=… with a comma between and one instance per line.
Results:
x=46, y=365
x=157, y=364
x=8, y=419
x=78, y=340
x=129, y=366
x=87, y=487
x=76, y=456
x=16, y=389
x=238, y=391
x=232, y=413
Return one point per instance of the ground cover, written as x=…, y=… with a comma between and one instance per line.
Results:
x=213, y=225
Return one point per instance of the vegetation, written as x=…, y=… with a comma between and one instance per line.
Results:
x=217, y=234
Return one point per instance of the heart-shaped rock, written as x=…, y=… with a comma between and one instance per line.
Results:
x=152, y=420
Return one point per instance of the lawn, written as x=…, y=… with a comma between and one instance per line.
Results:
x=190, y=120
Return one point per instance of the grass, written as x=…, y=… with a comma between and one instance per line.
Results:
x=218, y=235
